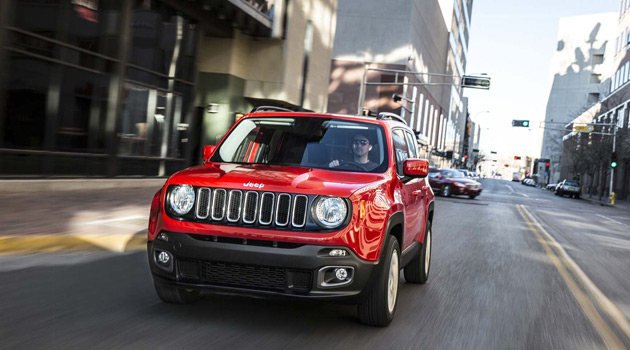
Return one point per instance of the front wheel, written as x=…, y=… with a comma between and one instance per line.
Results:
x=379, y=307
x=418, y=269
x=174, y=295
x=472, y=196
x=446, y=191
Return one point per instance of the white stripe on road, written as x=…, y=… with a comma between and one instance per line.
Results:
x=607, y=218
x=99, y=222
x=514, y=192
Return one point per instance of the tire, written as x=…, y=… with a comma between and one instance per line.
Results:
x=446, y=191
x=472, y=196
x=577, y=196
x=174, y=295
x=379, y=307
x=418, y=269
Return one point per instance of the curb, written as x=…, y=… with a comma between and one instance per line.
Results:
x=60, y=185
x=73, y=243
x=594, y=201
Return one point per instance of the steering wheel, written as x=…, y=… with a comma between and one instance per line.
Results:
x=351, y=164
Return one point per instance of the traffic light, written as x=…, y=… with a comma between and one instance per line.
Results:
x=520, y=123
x=613, y=160
x=517, y=158
x=465, y=156
x=547, y=166
x=506, y=165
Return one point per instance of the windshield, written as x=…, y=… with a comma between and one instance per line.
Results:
x=308, y=142
x=452, y=174
x=572, y=183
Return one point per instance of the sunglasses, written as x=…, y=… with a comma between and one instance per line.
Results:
x=360, y=142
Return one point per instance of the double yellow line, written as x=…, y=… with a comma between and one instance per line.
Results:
x=573, y=276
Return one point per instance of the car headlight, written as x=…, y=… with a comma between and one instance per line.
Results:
x=329, y=212
x=182, y=198
x=459, y=184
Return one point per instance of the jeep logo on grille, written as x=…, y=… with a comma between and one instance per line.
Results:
x=256, y=185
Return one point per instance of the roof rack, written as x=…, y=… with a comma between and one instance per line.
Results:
x=387, y=115
x=269, y=109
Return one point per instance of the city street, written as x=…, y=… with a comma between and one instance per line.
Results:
x=515, y=268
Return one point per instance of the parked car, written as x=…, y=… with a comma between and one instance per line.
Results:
x=447, y=182
x=302, y=205
x=551, y=187
x=528, y=181
x=568, y=187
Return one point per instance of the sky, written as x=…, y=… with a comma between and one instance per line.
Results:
x=513, y=42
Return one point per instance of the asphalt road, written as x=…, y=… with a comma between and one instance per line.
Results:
x=516, y=268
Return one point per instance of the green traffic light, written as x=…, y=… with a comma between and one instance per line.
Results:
x=613, y=164
x=525, y=123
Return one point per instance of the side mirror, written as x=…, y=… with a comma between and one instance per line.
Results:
x=208, y=151
x=416, y=167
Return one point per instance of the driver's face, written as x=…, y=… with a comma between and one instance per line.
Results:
x=361, y=145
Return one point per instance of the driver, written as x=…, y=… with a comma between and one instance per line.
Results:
x=361, y=147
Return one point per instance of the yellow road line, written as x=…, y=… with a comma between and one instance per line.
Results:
x=604, y=303
x=67, y=243
x=590, y=311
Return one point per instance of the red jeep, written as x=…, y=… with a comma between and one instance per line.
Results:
x=306, y=205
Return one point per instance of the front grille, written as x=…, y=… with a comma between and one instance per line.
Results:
x=252, y=207
x=255, y=277
x=218, y=204
x=266, y=208
x=234, y=205
x=203, y=202
x=283, y=209
x=299, y=210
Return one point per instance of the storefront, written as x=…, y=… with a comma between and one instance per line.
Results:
x=95, y=88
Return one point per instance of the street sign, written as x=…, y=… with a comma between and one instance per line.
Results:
x=583, y=128
x=469, y=81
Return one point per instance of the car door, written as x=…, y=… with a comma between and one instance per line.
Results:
x=410, y=188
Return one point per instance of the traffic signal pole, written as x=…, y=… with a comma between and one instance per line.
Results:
x=612, y=170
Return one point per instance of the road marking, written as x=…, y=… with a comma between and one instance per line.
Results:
x=548, y=243
x=99, y=222
x=514, y=192
x=607, y=218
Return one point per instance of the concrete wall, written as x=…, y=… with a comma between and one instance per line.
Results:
x=579, y=39
x=272, y=68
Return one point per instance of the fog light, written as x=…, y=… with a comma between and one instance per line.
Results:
x=341, y=274
x=338, y=252
x=164, y=258
x=162, y=236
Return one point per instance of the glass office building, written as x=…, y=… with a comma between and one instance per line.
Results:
x=95, y=88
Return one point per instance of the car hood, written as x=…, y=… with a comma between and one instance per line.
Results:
x=464, y=180
x=275, y=178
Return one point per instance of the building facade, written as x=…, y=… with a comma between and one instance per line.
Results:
x=579, y=66
x=588, y=155
x=136, y=88
x=376, y=40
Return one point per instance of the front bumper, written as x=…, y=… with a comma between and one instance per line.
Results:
x=254, y=267
x=466, y=191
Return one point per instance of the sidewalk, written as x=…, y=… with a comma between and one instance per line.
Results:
x=621, y=204
x=75, y=215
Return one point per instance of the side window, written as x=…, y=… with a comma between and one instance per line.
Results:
x=401, y=149
x=413, y=145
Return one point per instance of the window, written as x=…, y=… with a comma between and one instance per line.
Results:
x=593, y=97
x=419, y=113
x=596, y=78
x=413, y=145
x=306, y=142
x=401, y=149
x=598, y=59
